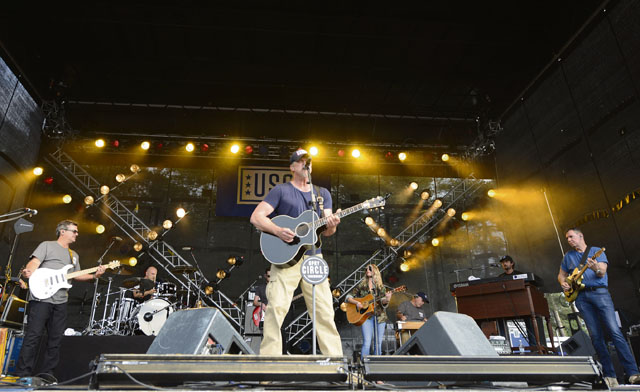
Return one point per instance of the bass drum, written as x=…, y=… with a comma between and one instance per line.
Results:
x=152, y=315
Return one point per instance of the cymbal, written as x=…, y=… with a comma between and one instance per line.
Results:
x=130, y=282
x=183, y=269
x=124, y=270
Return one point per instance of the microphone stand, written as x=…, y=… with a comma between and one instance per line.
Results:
x=374, y=291
x=89, y=328
x=313, y=252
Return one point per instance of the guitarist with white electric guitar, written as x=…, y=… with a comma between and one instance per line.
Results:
x=290, y=200
x=49, y=313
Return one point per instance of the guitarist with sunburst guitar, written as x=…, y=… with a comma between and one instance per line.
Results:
x=49, y=313
x=584, y=271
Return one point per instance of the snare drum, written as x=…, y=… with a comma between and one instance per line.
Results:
x=152, y=315
x=165, y=289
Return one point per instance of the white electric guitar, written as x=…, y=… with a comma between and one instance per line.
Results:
x=45, y=282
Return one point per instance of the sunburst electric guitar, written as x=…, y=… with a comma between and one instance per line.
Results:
x=358, y=317
x=45, y=282
x=279, y=252
x=575, y=279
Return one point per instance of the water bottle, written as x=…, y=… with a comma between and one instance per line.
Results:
x=521, y=348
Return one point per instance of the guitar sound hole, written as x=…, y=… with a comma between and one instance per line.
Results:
x=302, y=230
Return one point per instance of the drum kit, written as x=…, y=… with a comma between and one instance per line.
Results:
x=122, y=314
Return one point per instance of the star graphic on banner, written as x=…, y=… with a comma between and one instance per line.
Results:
x=247, y=193
x=248, y=184
x=248, y=176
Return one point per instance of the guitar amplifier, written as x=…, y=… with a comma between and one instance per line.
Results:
x=13, y=312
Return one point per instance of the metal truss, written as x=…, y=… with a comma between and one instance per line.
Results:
x=299, y=328
x=160, y=251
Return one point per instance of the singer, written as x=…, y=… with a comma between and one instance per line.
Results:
x=293, y=198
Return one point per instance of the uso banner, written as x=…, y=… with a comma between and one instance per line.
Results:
x=241, y=188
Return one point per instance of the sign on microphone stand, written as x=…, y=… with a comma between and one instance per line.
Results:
x=314, y=271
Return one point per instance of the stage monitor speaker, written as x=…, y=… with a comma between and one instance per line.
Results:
x=579, y=345
x=193, y=331
x=447, y=333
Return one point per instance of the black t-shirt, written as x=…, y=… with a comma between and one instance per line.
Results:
x=261, y=291
x=147, y=284
x=515, y=272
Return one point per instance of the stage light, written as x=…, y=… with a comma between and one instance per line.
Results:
x=180, y=212
x=424, y=195
x=145, y=145
x=120, y=177
x=313, y=151
x=88, y=200
x=167, y=224
x=37, y=171
x=100, y=229
x=221, y=274
x=388, y=155
x=152, y=235
x=235, y=148
x=491, y=193
x=100, y=143
x=435, y=242
x=381, y=232
x=132, y=261
x=231, y=260
x=204, y=147
x=445, y=157
x=189, y=147
x=369, y=221
x=115, y=143
x=137, y=247
x=341, y=153
x=48, y=180
x=159, y=146
x=66, y=199
x=413, y=185
x=451, y=212
x=407, y=253
x=134, y=168
x=465, y=216
x=404, y=267
x=394, y=242
x=336, y=292
x=248, y=149
x=104, y=190
x=208, y=290
x=437, y=203
x=355, y=153
x=402, y=156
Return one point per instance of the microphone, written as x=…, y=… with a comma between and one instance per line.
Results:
x=116, y=238
x=187, y=248
x=307, y=164
x=31, y=211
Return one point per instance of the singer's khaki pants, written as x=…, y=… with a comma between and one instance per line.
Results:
x=283, y=282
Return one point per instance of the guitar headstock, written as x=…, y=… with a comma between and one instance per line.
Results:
x=400, y=289
x=113, y=264
x=376, y=202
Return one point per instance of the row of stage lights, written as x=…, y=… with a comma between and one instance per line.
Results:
x=249, y=149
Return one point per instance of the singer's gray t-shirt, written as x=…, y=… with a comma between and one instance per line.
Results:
x=52, y=255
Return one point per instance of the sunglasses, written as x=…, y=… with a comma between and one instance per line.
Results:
x=73, y=231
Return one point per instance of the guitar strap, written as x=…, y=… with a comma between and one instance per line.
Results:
x=71, y=256
x=320, y=200
x=585, y=255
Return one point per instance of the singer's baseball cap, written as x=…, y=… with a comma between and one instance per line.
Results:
x=297, y=155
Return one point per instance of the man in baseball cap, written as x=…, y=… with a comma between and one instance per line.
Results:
x=298, y=154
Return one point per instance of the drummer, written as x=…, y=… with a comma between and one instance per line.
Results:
x=147, y=286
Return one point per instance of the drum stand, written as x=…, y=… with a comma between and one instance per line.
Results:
x=90, y=326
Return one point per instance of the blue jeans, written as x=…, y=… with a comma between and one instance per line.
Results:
x=367, y=337
x=596, y=307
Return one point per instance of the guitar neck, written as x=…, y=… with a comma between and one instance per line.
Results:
x=323, y=221
x=75, y=274
x=595, y=255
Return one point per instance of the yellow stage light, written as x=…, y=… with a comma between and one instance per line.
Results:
x=180, y=212
x=221, y=274
x=100, y=143
x=413, y=185
x=404, y=267
x=134, y=168
x=100, y=229
x=424, y=195
x=313, y=151
x=189, y=147
x=66, y=199
x=120, y=177
x=104, y=189
x=491, y=193
x=394, y=242
x=355, y=153
x=465, y=216
x=368, y=220
x=132, y=261
x=152, y=235
x=381, y=232
x=336, y=292
x=437, y=203
x=451, y=212
x=145, y=145
x=235, y=148
x=231, y=260
x=407, y=253
x=37, y=171
x=88, y=200
x=137, y=247
x=343, y=306
x=435, y=242
x=445, y=157
x=402, y=156
x=167, y=224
